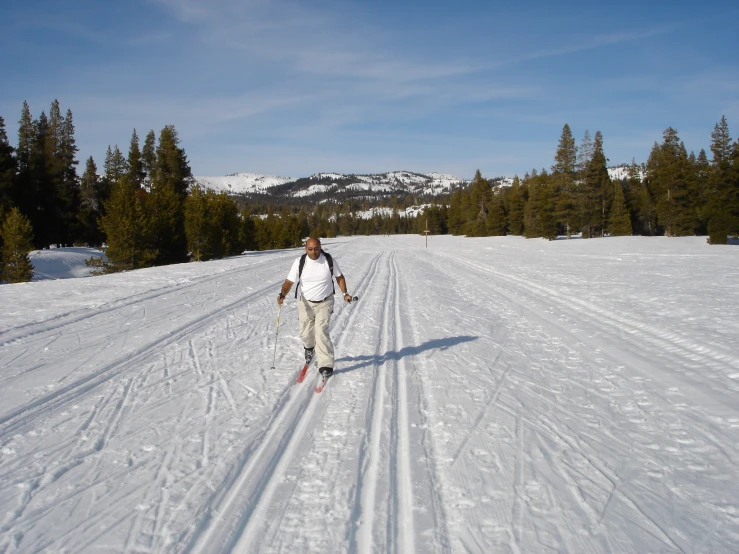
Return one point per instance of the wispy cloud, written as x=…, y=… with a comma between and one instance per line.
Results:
x=311, y=42
x=582, y=44
x=272, y=82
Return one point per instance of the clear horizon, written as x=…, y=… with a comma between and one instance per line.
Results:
x=293, y=89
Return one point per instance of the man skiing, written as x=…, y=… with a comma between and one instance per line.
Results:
x=314, y=272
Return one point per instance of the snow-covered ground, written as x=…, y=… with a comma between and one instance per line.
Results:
x=62, y=263
x=490, y=395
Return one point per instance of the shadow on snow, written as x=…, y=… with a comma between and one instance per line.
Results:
x=364, y=361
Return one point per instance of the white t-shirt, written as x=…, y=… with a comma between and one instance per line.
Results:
x=315, y=282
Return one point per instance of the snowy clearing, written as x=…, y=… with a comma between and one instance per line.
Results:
x=490, y=395
x=62, y=263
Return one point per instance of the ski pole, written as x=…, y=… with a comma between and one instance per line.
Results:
x=279, y=310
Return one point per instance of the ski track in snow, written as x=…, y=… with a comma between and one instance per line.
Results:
x=487, y=397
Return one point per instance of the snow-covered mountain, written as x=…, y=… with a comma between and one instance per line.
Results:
x=377, y=184
x=242, y=183
x=353, y=185
x=621, y=172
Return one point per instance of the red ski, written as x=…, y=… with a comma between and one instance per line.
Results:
x=319, y=387
x=303, y=372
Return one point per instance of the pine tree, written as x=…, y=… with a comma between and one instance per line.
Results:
x=136, y=173
x=61, y=186
x=547, y=214
x=43, y=216
x=456, y=218
x=116, y=166
x=565, y=159
x=90, y=205
x=496, y=221
x=23, y=195
x=619, y=220
x=229, y=234
x=641, y=205
x=563, y=181
x=53, y=139
x=17, y=237
x=127, y=231
x=173, y=168
x=721, y=144
x=596, y=196
x=585, y=152
x=539, y=213
x=8, y=168
x=516, y=197
x=700, y=170
x=51, y=198
x=199, y=226
x=668, y=178
x=149, y=158
x=480, y=197
x=702, y=166
x=167, y=199
x=247, y=231
x=166, y=213
x=720, y=195
x=70, y=191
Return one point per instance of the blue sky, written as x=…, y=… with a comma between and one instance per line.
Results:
x=294, y=88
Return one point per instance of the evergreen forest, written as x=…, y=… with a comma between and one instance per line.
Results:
x=145, y=208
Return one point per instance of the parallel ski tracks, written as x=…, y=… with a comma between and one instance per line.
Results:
x=559, y=430
x=64, y=320
x=390, y=379
x=11, y=422
x=404, y=487
x=665, y=340
x=372, y=454
x=235, y=515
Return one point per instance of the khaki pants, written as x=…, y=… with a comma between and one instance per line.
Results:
x=313, y=320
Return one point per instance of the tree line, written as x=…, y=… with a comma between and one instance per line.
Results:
x=145, y=208
x=673, y=194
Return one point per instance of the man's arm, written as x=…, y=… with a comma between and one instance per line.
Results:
x=342, y=285
x=286, y=286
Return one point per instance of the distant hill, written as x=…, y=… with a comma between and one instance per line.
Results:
x=339, y=186
x=242, y=183
x=334, y=185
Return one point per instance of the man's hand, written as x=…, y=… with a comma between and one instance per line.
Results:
x=347, y=298
x=280, y=299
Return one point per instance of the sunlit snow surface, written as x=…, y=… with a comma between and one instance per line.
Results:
x=490, y=395
x=62, y=263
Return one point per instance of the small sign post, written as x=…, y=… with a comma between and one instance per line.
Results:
x=426, y=232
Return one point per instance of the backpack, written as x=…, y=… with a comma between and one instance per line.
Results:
x=330, y=268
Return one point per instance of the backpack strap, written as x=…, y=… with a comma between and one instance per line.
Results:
x=331, y=269
x=302, y=264
x=300, y=272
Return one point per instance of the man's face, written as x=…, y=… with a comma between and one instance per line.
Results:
x=313, y=248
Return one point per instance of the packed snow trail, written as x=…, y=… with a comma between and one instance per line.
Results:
x=490, y=395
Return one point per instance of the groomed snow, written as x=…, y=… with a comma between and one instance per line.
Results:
x=490, y=395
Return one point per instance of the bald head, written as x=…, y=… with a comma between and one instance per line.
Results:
x=313, y=248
